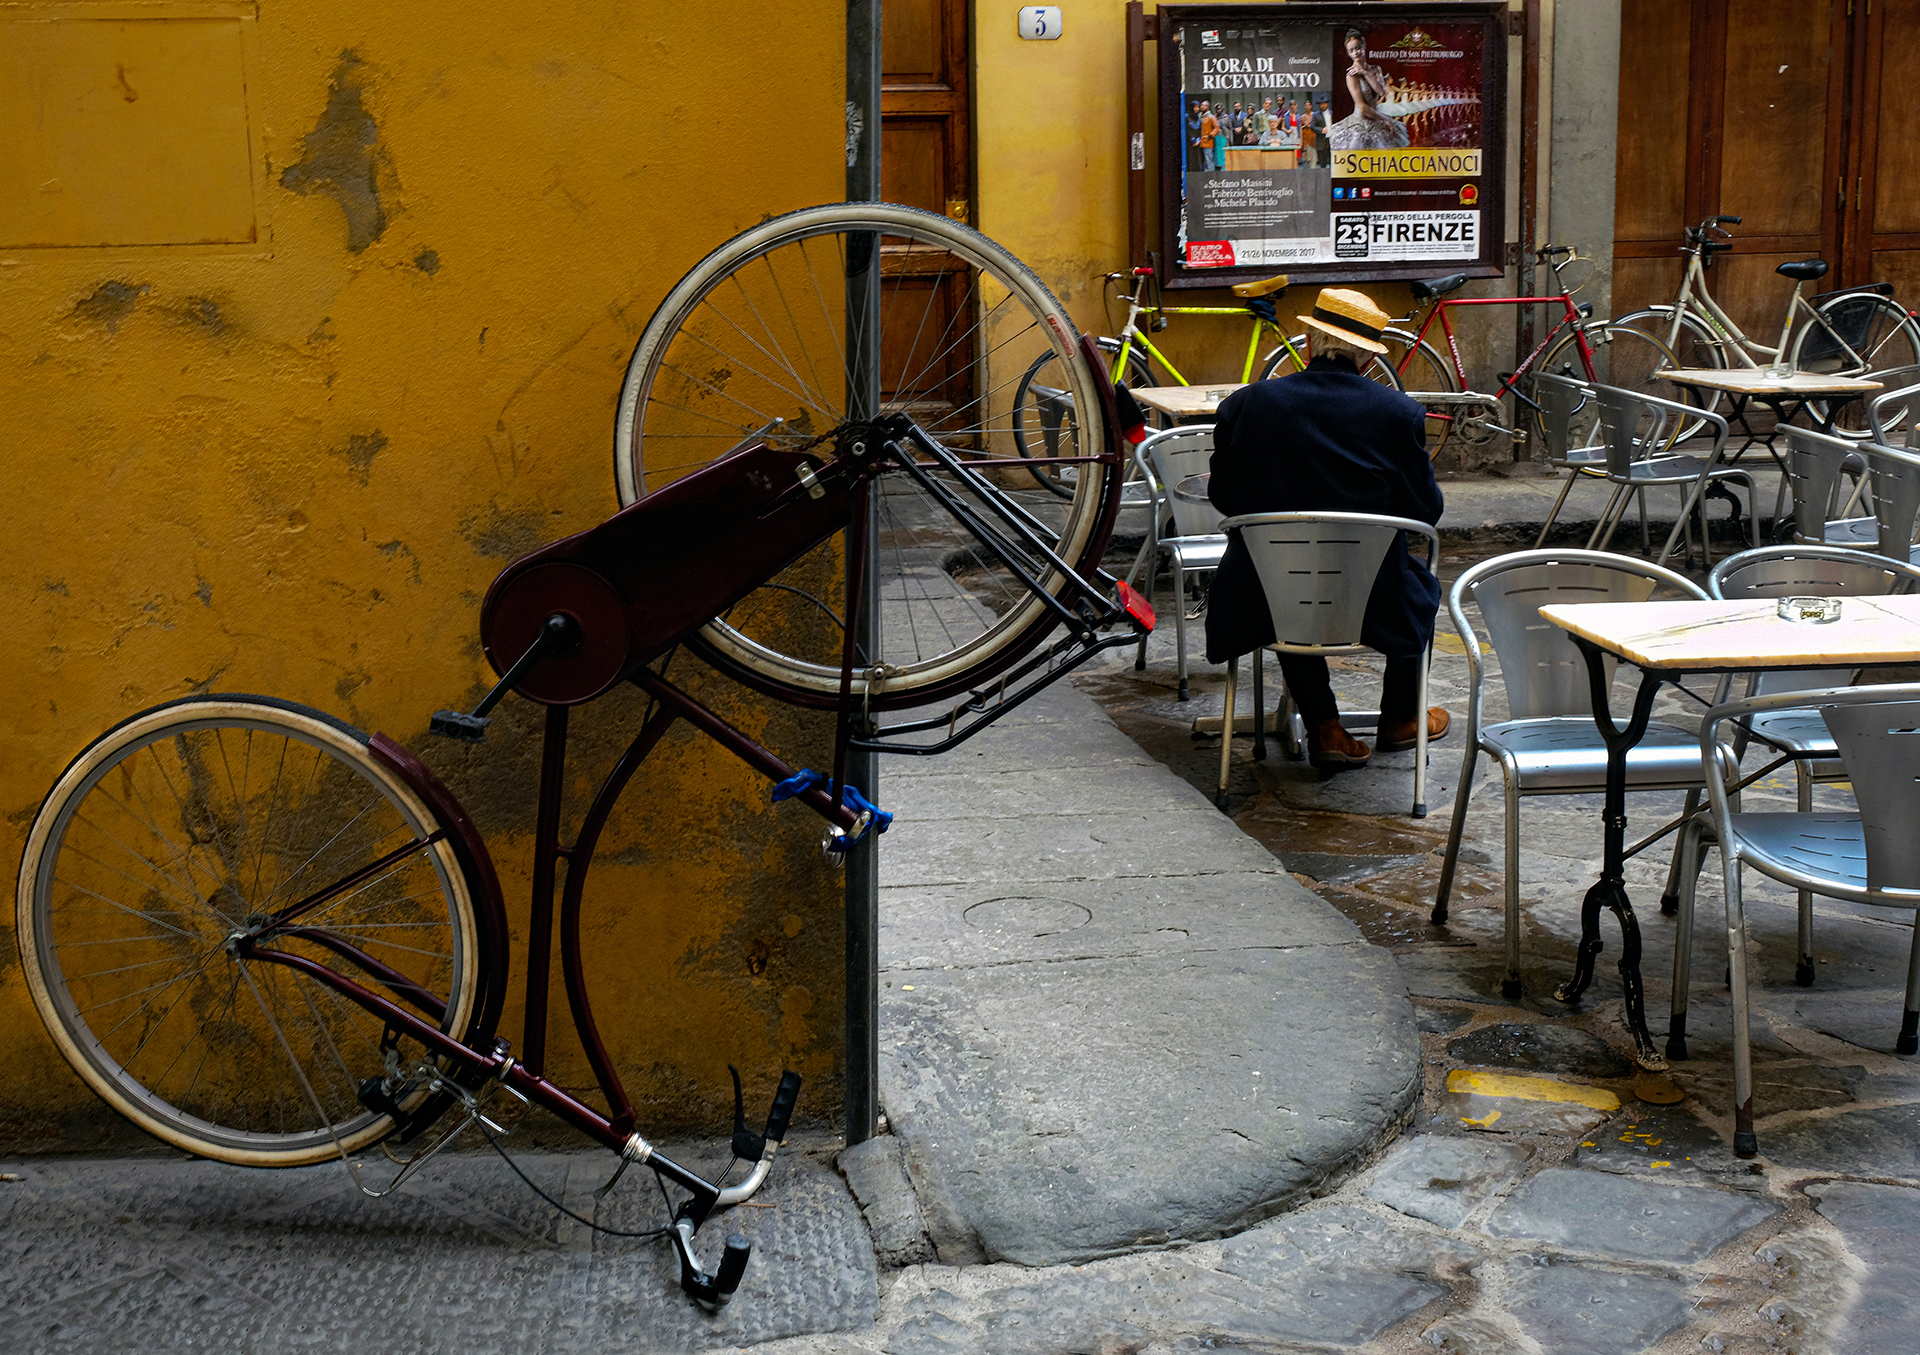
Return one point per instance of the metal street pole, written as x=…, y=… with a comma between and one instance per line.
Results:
x=863, y=400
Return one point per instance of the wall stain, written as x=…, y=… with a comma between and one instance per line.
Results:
x=400, y=548
x=341, y=156
x=111, y=303
x=56, y=586
x=504, y=536
x=203, y=590
x=427, y=261
x=128, y=92
x=359, y=452
x=203, y=312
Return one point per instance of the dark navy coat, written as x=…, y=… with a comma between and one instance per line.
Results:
x=1323, y=440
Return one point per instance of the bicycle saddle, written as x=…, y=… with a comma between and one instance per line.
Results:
x=1262, y=287
x=1425, y=289
x=1803, y=269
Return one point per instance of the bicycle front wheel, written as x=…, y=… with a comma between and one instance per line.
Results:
x=202, y=820
x=760, y=331
x=1865, y=334
x=1042, y=408
x=1628, y=358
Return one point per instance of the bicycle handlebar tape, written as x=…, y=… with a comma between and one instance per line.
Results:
x=783, y=1102
x=657, y=570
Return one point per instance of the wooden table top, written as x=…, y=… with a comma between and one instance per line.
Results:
x=1184, y=402
x=1692, y=636
x=1755, y=381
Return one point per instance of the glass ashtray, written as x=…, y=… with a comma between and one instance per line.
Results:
x=1810, y=611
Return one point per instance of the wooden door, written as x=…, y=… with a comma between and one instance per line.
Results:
x=1881, y=215
x=926, y=160
x=1738, y=107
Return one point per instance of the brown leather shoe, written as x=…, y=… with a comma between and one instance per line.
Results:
x=1331, y=748
x=1399, y=737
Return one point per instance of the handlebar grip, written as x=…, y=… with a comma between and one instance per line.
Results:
x=783, y=1102
x=1548, y=251
x=733, y=1264
x=1721, y=220
x=1143, y=272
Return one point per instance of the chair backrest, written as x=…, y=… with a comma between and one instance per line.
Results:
x=1174, y=454
x=1560, y=398
x=1807, y=571
x=1318, y=569
x=1635, y=426
x=1815, y=462
x=1896, y=496
x=1896, y=405
x=1880, y=743
x=1544, y=672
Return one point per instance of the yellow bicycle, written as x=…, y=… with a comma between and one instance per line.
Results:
x=1042, y=411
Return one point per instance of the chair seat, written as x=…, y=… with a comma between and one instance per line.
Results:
x=1582, y=458
x=1563, y=754
x=1675, y=469
x=1196, y=552
x=1846, y=532
x=1805, y=733
x=1829, y=846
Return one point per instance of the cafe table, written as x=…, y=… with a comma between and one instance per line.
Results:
x=1668, y=641
x=1185, y=404
x=1787, y=396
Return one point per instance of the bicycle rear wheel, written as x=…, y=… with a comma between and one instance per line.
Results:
x=1628, y=358
x=202, y=819
x=1041, y=407
x=759, y=331
x=1290, y=357
x=1882, y=337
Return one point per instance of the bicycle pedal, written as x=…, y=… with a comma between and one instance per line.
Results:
x=453, y=724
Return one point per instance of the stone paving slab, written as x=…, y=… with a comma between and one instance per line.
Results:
x=1073, y=1110
x=996, y=922
x=1575, y=1309
x=1443, y=1180
x=1625, y=1217
x=1045, y=848
x=1881, y=1225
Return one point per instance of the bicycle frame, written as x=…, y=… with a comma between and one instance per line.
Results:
x=558, y=583
x=1572, y=317
x=1132, y=333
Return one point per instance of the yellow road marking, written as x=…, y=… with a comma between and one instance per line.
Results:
x=1514, y=1087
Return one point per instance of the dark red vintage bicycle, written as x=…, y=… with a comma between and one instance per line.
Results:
x=273, y=940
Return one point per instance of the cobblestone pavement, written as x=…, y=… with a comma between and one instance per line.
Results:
x=1537, y=1205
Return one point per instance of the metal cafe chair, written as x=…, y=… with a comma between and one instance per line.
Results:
x=1894, y=410
x=1817, y=466
x=1637, y=430
x=1800, y=571
x=1870, y=856
x=1549, y=744
x=1560, y=398
x=1197, y=544
x=1894, y=472
x=1317, y=571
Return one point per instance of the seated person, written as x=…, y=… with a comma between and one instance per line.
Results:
x=1330, y=440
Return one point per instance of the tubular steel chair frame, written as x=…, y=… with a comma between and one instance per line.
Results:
x=1339, y=573
x=1552, y=718
x=1816, y=463
x=1637, y=461
x=1560, y=398
x=1189, y=553
x=1880, y=851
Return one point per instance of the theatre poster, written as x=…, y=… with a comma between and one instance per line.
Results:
x=1338, y=142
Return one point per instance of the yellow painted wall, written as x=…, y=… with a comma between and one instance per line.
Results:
x=312, y=316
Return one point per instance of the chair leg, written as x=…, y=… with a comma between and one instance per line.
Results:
x=1510, y=988
x=1670, y=897
x=1554, y=512
x=1288, y=724
x=1226, y=737
x=1420, y=742
x=1909, y=1041
x=1646, y=540
x=1744, y=1142
x=1180, y=623
x=1259, y=706
x=1448, y=863
x=1803, y=968
x=1686, y=856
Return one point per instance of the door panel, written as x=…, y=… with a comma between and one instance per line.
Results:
x=1774, y=116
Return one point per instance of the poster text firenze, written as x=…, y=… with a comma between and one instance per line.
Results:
x=1308, y=143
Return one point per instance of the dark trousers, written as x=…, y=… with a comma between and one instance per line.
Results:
x=1312, y=688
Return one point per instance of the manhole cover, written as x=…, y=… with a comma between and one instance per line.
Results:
x=1027, y=915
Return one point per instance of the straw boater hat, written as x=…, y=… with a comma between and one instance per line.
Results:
x=1351, y=316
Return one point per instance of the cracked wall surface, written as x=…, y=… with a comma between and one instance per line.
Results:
x=293, y=464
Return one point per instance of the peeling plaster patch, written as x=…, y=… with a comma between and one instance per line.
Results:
x=111, y=303
x=359, y=452
x=503, y=536
x=427, y=261
x=340, y=155
x=201, y=311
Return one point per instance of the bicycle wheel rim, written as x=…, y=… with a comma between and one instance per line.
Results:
x=168, y=834
x=1883, y=337
x=1039, y=412
x=950, y=360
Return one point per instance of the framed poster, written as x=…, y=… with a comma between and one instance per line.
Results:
x=1334, y=142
